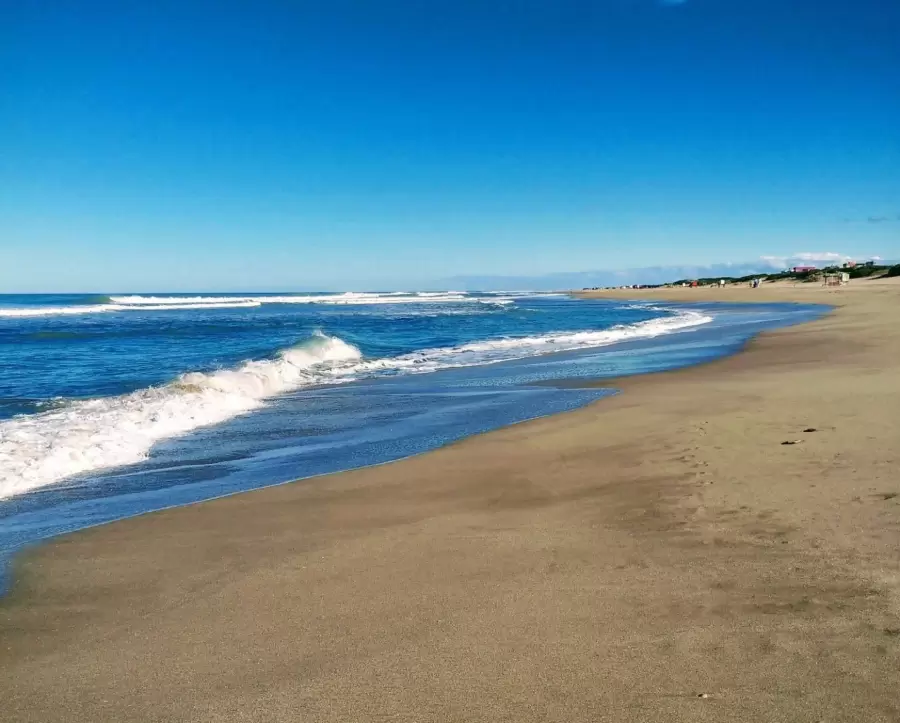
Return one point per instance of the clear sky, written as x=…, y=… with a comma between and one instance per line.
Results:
x=341, y=143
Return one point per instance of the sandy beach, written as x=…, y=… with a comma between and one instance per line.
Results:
x=661, y=555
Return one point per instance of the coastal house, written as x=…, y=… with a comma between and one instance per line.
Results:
x=803, y=269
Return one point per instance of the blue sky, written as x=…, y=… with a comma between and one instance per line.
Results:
x=319, y=145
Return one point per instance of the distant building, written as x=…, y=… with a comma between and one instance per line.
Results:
x=803, y=269
x=849, y=264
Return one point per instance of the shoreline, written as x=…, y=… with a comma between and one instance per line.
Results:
x=392, y=590
x=7, y=574
x=9, y=555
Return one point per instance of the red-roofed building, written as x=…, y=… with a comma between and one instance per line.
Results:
x=803, y=269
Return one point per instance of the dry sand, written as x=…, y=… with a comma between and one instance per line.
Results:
x=609, y=564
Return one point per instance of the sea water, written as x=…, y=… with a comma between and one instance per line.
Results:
x=114, y=405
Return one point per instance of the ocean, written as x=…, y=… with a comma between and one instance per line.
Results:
x=115, y=405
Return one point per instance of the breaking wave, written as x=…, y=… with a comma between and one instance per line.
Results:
x=39, y=449
x=168, y=303
x=347, y=298
x=106, y=308
x=491, y=351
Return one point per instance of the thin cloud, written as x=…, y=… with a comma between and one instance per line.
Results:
x=805, y=258
x=820, y=256
x=872, y=219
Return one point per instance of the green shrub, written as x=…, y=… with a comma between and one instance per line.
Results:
x=893, y=271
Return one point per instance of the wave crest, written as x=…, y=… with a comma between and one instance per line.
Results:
x=39, y=449
x=347, y=298
x=170, y=303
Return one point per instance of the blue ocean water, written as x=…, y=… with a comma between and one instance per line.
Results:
x=115, y=405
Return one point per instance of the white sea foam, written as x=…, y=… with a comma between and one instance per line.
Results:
x=55, y=310
x=106, y=308
x=491, y=351
x=40, y=449
x=242, y=304
x=134, y=300
x=350, y=297
x=167, y=303
x=37, y=450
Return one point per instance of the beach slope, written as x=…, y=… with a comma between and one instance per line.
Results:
x=718, y=543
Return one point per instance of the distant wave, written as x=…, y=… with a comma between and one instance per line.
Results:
x=350, y=297
x=167, y=303
x=88, y=435
x=106, y=308
x=54, y=310
x=491, y=351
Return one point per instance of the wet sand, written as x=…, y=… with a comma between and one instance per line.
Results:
x=657, y=556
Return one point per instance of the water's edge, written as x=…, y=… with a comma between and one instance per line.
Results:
x=11, y=561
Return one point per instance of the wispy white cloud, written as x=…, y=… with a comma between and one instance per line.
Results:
x=805, y=258
x=820, y=256
x=873, y=219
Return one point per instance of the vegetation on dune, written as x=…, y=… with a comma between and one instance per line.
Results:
x=854, y=272
x=861, y=271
